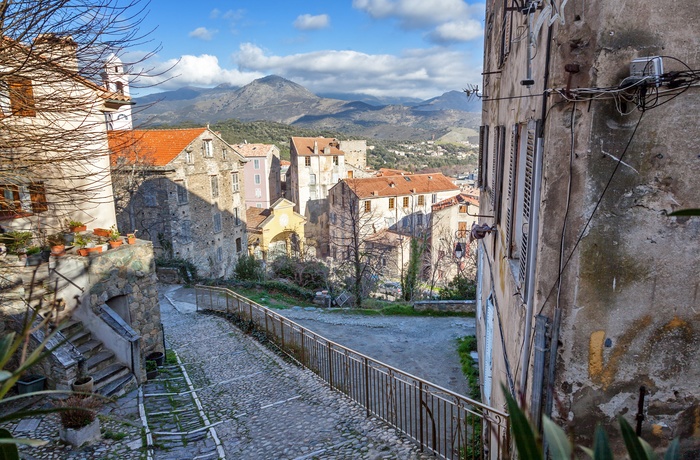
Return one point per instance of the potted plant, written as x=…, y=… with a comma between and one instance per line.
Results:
x=57, y=244
x=33, y=255
x=151, y=369
x=30, y=384
x=115, y=238
x=79, y=422
x=82, y=242
x=101, y=232
x=131, y=237
x=17, y=242
x=157, y=356
x=76, y=226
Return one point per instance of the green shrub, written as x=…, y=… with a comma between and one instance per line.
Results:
x=16, y=241
x=249, y=268
x=460, y=288
x=307, y=274
x=465, y=346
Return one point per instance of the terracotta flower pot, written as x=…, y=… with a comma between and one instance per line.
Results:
x=58, y=250
x=83, y=385
x=82, y=252
x=82, y=228
x=131, y=240
x=101, y=232
x=95, y=249
x=115, y=244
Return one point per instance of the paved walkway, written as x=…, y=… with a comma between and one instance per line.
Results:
x=261, y=407
x=229, y=397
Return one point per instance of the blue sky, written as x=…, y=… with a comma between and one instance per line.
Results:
x=417, y=48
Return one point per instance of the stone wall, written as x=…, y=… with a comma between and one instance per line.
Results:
x=453, y=306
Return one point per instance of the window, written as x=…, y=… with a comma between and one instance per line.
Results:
x=188, y=156
x=461, y=229
x=239, y=246
x=312, y=179
x=234, y=182
x=419, y=219
x=335, y=160
x=462, y=208
x=21, y=97
x=214, y=186
x=523, y=185
x=217, y=222
x=257, y=178
x=236, y=217
x=483, y=156
x=392, y=203
x=208, y=150
x=219, y=254
x=258, y=205
x=16, y=201
x=434, y=198
x=109, y=121
x=421, y=200
x=120, y=87
x=186, y=231
x=258, y=193
x=224, y=154
x=368, y=206
x=333, y=218
x=256, y=164
x=307, y=161
x=499, y=147
x=181, y=192
x=350, y=174
x=405, y=202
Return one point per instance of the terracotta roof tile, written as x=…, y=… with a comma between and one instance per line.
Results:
x=462, y=198
x=255, y=217
x=161, y=145
x=304, y=146
x=253, y=150
x=393, y=172
x=371, y=187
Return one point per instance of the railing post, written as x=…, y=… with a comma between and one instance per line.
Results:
x=196, y=299
x=366, y=364
x=238, y=305
x=303, y=354
x=227, y=297
x=211, y=300
x=282, y=330
x=250, y=309
x=420, y=412
x=267, y=330
x=330, y=364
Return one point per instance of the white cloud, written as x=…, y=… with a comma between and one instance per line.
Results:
x=449, y=20
x=309, y=22
x=203, y=33
x=457, y=31
x=419, y=73
x=203, y=70
x=215, y=13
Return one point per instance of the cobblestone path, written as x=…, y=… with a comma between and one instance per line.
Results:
x=260, y=406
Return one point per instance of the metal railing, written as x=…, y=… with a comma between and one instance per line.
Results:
x=445, y=423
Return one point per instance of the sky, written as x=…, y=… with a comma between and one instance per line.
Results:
x=407, y=48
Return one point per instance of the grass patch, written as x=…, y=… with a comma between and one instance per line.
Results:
x=170, y=357
x=112, y=435
x=270, y=298
x=379, y=308
x=465, y=346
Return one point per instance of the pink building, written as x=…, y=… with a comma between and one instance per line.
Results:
x=262, y=174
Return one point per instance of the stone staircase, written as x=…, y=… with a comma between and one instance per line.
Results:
x=111, y=377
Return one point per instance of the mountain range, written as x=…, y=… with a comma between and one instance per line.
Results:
x=274, y=98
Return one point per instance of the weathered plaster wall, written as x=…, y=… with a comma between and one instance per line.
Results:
x=629, y=293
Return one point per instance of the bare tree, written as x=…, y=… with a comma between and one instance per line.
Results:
x=54, y=104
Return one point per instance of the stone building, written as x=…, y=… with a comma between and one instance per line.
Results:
x=55, y=125
x=449, y=250
x=588, y=292
x=261, y=173
x=317, y=164
x=189, y=199
x=399, y=203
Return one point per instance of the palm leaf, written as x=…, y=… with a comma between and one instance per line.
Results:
x=525, y=439
x=559, y=445
x=674, y=451
x=601, y=445
x=634, y=448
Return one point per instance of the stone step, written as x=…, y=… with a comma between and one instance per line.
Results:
x=118, y=386
x=111, y=372
x=90, y=348
x=99, y=361
x=71, y=327
x=79, y=337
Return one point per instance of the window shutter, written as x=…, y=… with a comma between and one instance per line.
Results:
x=22, y=97
x=38, y=197
x=483, y=156
x=511, y=190
x=499, y=159
x=527, y=199
x=506, y=32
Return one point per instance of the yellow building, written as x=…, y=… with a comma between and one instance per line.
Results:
x=275, y=231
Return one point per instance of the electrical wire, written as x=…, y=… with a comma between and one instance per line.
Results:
x=595, y=209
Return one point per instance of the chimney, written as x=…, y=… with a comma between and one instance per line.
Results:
x=60, y=51
x=327, y=150
x=315, y=147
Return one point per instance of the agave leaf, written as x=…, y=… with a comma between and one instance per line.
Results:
x=647, y=448
x=685, y=212
x=5, y=344
x=674, y=451
x=559, y=445
x=23, y=441
x=525, y=439
x=4, y=375
x=587, y=451
x=7, y=451
x=601, y=445
x=634, y=448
